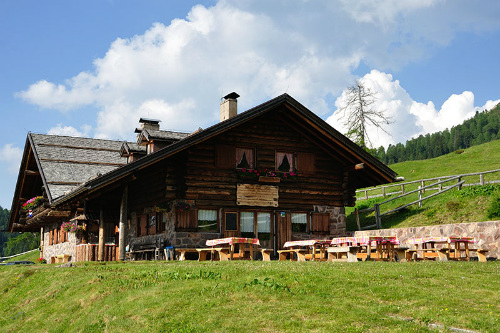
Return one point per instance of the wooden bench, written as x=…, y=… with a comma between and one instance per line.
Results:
x=300, y=253
x=183, y=251
x=426, y=254
x=62, y=258
x=266, y=254
x=342, y=253
x=481, y=254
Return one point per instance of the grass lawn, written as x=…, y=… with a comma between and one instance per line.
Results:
x=251, y=296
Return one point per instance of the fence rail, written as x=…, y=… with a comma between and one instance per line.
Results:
x=387, y=188
x=420, y=190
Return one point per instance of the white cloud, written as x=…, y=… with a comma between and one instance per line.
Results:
x=11, y=156
x=409, y=118
x=260, y=49
x=60, y=129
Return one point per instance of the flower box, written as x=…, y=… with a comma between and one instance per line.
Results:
x=266, y=179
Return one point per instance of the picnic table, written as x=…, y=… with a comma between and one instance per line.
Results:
x=226, y=247
x=310, y=249
x=365, y=248
x=443, y=248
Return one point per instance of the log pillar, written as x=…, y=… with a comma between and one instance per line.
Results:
x=102, y=236
x=123, y=224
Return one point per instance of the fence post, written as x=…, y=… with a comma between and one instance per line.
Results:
x=481, y=179
x=378, y=221
x=366, y=194
x=459, y=186
x=440, y=185
x=423, y=185
x=420, y=197
x=402, y=189
x=357, y=218
x=383, y=191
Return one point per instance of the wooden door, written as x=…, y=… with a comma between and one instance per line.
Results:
x=283, y=228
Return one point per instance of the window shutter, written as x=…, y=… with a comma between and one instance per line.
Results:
x=305, y=163
x=186, y=220
x=225, y=156
x=320, y=222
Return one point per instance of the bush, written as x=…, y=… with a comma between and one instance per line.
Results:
x=494, y=209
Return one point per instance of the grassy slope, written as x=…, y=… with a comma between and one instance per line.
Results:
x=32, y=256
x=451, y=207
x=250, y=297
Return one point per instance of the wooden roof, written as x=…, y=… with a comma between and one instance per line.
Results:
x=59, y=164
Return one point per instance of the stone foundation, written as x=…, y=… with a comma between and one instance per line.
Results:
x=486, y=234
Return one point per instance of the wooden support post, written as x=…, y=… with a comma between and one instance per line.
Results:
x=41, y=242
x=357, y=218
x=423, y=185
x=420, y=197
x=383, y=191
x=123, y=224
x=378, y=221
x=440, y=185
x=460, y=185
x=366, y=194
x=402, y=189
x=102, y=236
x=481, y=179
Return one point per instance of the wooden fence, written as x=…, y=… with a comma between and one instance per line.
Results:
x=401, y=188
x=421, y=189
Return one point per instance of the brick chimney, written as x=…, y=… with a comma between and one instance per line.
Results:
x=229, y=106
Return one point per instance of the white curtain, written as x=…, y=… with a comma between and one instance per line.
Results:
x=246, y=221
x=280, y=158
x=248, y=153
x=264, y=222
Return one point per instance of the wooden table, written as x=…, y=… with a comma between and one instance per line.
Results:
x=365, y=248
x=246, y=245
x=441, y=248
x=311, y=249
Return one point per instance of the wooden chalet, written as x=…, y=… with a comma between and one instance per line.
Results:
x=276, y=172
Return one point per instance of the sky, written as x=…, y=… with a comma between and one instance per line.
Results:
x=93, y=68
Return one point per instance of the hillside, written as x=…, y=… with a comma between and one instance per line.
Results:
x=474, y=204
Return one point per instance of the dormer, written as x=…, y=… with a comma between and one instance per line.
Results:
x=152, y=138
x=132, y=151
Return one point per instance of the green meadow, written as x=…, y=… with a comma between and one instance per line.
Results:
x=244, y=296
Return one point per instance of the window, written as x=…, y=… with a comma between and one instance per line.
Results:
x=231, y=221
x=244, y=158
x=110, y=233
x=299, y=222
x=207, y=220
x=264, y=226
x=285, y=162
x=246, y=224
x=320, y=222
x=152, y=224
x=161, y=221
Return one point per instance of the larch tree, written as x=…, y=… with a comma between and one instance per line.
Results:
x=359, y=112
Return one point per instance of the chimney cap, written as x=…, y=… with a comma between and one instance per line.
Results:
x=232, y=95
x=149, y=121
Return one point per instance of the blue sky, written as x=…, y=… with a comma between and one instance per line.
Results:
x=93, y=68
